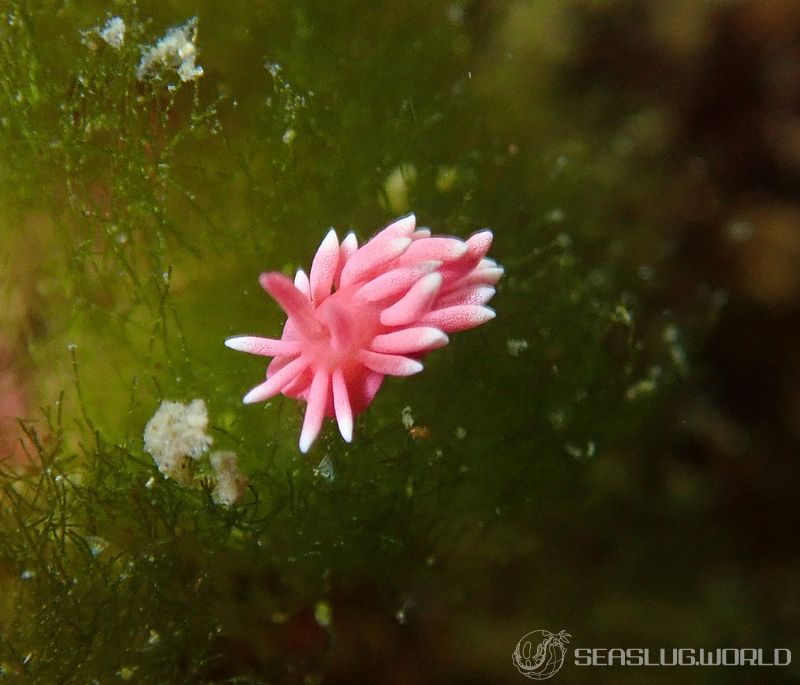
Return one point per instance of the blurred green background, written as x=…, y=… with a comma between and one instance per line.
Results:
x=614, y=455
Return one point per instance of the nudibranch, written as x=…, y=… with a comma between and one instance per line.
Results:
x=366, y=312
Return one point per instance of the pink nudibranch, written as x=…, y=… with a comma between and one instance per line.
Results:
x=368, y=312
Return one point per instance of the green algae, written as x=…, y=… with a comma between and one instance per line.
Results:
x=154, y=204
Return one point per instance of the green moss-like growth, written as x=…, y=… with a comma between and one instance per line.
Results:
x=155, y=203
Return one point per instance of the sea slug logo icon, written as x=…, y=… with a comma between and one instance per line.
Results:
x=540, y=654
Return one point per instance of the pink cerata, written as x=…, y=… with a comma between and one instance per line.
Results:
x=368, y=312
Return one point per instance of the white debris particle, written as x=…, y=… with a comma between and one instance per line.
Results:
x=446, y=178
x=231, y=484
x=516, y=346
x=176, y=433
x=555, y=216
x=623, y=315
x=564, y=241
x=581, y=453
x=113, y=32
x=176, y=50
x=739, y=231
x=646, y=272
x=407, y=418
x=645, y=386
x=402, y=613
x=27, y=575
x=323, y=614
x=127, y=672
x=325, y=469
x=397, y=188
x=96, y=544
x=461, y=432
x=558, y=419
x=671, y=337
x=286, y=101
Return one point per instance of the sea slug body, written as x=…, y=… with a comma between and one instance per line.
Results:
x=363, y=313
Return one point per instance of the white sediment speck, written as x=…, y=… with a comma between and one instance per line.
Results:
x=323, y=614
x=516, y=346
x=671, y=336
x=176, y=50
x=645, y=386
x=96, y=544
x=175, y=434
x=564, y=241
x=397, y=187
x=325, y=469
x=127, y=672
x=579, y=452
x=231, y=484
x=739, y=231
x=113, y=32
x=446, y=178
x=646, y=272
x=407, y=418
